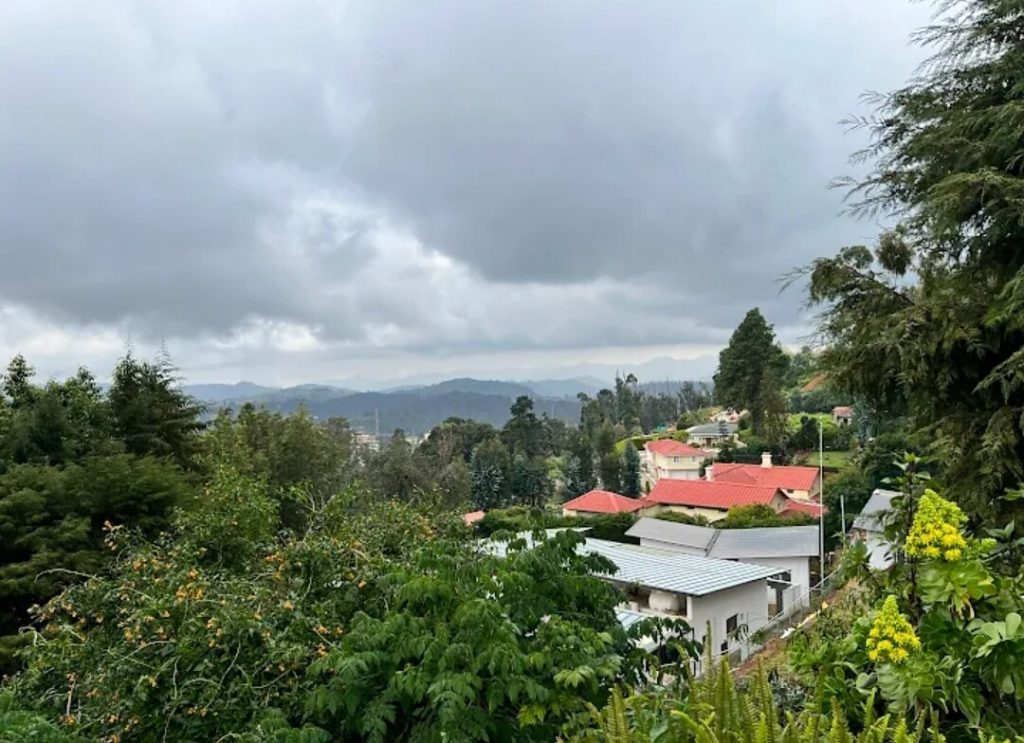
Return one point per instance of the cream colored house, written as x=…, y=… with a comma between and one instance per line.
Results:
x=670, y=460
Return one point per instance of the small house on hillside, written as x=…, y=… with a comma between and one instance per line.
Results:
x=601, y=502
x=800, y=483
x=788, y=548
x=711, y=435
x=868, y=528
x=667, y=459
x=842, y=415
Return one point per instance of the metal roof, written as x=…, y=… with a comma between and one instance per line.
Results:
x=627, y=617
x=777, y=541
x=664, y=570
x=662, y=530
x=712, y=429
x=879, y=502
x=674, y=571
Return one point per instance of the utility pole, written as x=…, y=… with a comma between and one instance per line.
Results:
x=821, y=499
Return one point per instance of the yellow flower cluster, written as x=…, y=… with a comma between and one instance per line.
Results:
x=891, y=637
x=935, y=533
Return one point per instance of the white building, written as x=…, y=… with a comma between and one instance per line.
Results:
x=730, y=596
x=787, y=548
x=868, y=528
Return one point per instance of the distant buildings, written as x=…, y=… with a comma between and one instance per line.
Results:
x=712, y=435
x=667, y=459
x=801, y=483
x=869, y=528
x=842, y=415
x=601, y=502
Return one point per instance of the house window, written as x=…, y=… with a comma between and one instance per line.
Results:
x=732, y=624
x=675, y=460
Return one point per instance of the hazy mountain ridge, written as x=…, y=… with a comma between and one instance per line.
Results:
x=415, y=409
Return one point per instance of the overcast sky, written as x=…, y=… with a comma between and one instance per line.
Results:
x=309, y=191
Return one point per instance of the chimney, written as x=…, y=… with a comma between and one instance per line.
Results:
x=709, y=473
x=766, y=459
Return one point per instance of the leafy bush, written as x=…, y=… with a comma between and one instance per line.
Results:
x=939, y=633
x=682, y=518
x=749, y=517
x=378, y=622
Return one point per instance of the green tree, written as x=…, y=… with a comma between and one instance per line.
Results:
x=930, y=322
x=750, y=369
x=524, y=431
x=528, y=480
x=52, y=524
x=17, y=382
x=151, y=414
x=610, y=467
x=631, y=485
x=303, y=462
x=394, y=472
x=489, y=475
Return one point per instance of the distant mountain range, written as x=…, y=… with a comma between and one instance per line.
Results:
x=414, y=409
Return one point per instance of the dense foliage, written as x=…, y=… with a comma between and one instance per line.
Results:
x=929, y=321
x=750, y=374
x=73, y=458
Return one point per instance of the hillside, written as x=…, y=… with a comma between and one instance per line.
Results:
x=413, y=409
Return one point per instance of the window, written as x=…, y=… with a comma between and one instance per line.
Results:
x=675, y=460
x=732, y=624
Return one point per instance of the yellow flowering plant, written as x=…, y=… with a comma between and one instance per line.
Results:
x=891, y=638
x=935, y=532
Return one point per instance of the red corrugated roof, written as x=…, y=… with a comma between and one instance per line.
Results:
x=776, y=476
x=604, y=501
x=472, y=517
x=672, y=448
x=802, y=506
x=703, y=494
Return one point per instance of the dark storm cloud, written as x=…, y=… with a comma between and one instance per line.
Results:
x=434, y=175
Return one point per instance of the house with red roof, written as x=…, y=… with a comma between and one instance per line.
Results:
x=712, y=500
x=667, y=459
x=799, y=483
x=600, y=502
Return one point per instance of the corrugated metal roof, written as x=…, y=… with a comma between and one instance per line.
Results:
x=674, y=571
x=879, y=502
x=779, y=541
x=664, y=570
x=662, y=530
x=776, y=541
x=712, y=429
x=627, y=617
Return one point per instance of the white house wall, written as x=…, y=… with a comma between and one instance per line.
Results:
x=799, y=569
x=878, y=551
x=749, y=602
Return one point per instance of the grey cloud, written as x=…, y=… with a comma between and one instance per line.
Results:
x=596, y=172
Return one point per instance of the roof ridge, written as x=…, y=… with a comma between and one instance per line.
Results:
x=714, y=539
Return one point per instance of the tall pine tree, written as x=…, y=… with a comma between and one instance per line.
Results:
x=748, y=366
